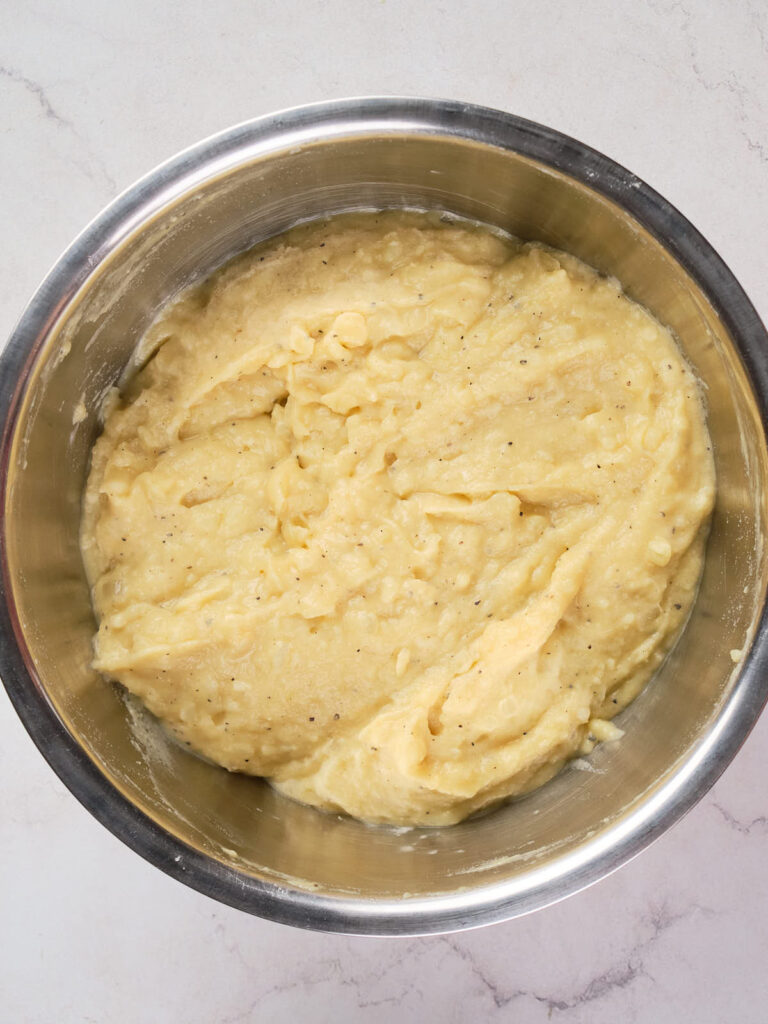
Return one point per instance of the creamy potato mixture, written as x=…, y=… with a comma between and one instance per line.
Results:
x=398, y=514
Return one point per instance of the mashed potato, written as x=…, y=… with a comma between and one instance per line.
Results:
x=398, y=514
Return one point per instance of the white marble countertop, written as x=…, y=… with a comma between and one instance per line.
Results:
x=94, y=94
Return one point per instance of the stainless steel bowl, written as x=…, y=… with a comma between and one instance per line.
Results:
x=235, y=838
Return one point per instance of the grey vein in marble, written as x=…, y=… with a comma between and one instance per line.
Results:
x=627, y=970
x=732, y=83
x=746, y=828
x=50, y=113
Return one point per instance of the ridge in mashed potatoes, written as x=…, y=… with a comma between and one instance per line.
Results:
x=398, y=514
